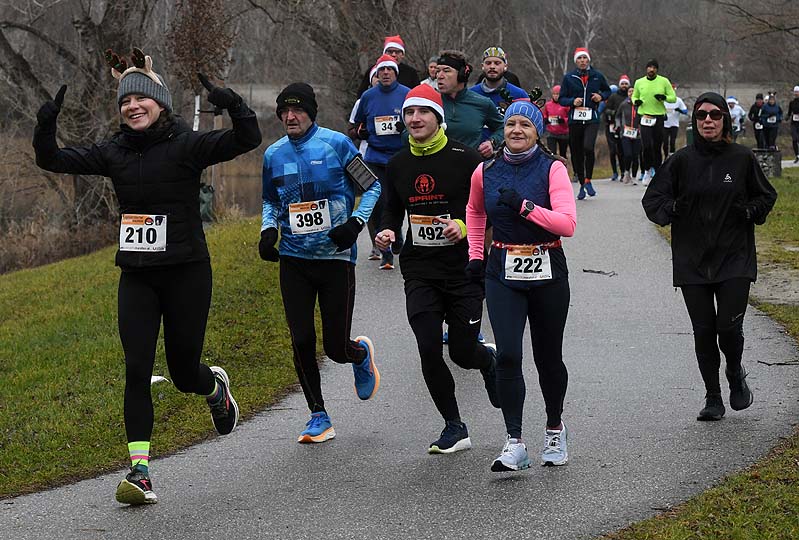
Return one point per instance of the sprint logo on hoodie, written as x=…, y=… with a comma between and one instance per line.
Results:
x=727, y=179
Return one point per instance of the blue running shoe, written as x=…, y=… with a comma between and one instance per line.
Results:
x=318, y=429
x=556, y=450
x=367, y=378
x=589, y=188
x=480, y=338
x=614, y=177
x=445, y=338
x=454, y=438
x=651, y=172
x=581, y=194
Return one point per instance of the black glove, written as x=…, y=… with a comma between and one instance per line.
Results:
x=638, y=102
x=266, y=247
x=345, y=235
x=475, y=271
x=660, y=97
x=510, y=198
x=223, y=98
x=49, y=111
x=362, y=132
x=741, y=213
x=400, y=126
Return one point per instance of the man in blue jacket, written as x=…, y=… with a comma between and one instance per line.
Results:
x=379, y=118
x=494, y=85
x=583, y=89
x=309, y=196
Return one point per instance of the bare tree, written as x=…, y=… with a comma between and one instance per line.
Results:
x=550, y=31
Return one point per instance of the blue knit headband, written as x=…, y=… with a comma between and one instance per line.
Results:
x=529, y=110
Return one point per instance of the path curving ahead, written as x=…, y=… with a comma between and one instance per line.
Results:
x=635, y=446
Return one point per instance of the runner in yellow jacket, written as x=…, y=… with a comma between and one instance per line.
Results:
x=649, y=96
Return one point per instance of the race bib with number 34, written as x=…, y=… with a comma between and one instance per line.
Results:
x=387, y=125
x=309, y=217
x=142, y=232
x=527, y=263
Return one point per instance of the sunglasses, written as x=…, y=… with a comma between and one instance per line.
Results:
x=714, y=115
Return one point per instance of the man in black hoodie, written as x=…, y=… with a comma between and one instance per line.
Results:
x=713, y=192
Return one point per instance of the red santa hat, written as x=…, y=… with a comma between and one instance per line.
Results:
x=579, y=51
x=624, y=78
x=387, y=61
x=425, y=96
x=393, y=42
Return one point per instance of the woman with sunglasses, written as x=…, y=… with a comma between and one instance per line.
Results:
x=713, y=192
x=154, y=162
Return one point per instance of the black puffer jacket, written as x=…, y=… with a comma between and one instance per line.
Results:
x=713, y=194
x=156, y=171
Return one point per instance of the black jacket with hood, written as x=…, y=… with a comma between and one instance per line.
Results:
x=156, y=171
x=712, y=194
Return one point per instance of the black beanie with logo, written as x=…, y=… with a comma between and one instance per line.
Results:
x=298, y=94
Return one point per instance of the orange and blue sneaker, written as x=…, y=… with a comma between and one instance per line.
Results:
x=136, y=488
x=367, y=378
x=318, y=429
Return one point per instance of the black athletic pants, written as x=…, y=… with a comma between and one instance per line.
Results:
x=670, y=139
x=652, y=141
x=546, y=307
x=632, y=151
x=760, y=138
x=717, y=325
x=613, y=149
x=333, y=282
x=428, y=304
x=181, y=295
x=795, y=138
x=558, y=145
x=771, y=136
x=582, y=138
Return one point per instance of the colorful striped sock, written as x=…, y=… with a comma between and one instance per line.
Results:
x=140, y=455
x=217, y=394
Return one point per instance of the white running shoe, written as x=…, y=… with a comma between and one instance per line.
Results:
x=556, y=450
x=645, y=179
x=512, y=458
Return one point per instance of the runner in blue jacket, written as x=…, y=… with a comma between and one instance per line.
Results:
x=309, y=196
x=583, y=89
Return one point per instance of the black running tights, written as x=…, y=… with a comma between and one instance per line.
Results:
x=464, y=351
x=717, y=325
x=181, y=295
x=333, y=282
x=582, y=138
x=546, y=307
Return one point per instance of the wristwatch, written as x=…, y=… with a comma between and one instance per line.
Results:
x=529, y=206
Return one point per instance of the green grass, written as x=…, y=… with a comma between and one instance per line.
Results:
x=62, y=368
x=761, y=502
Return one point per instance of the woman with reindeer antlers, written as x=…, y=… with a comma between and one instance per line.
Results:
x=155, y=162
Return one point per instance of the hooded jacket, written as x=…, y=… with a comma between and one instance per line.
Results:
x=156, y=171
x=712, y=194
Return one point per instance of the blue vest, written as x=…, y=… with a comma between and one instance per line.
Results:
x=531, y=180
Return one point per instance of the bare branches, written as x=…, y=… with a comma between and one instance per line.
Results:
x=59, y=49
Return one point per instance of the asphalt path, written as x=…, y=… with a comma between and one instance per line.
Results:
x=635, y=445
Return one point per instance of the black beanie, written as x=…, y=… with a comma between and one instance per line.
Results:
x=653, y=63
x=298, y=94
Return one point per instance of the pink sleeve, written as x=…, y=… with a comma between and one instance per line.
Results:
x=476, y=216
x=562, y=219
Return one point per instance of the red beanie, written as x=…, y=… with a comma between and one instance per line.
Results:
x=387, y=61
x=393, y=42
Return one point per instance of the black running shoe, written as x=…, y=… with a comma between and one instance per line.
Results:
x=225, y=412
x=714, y=408
x=490, y=376
x=740, y=394
x=455, y=437
x=136, y=488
